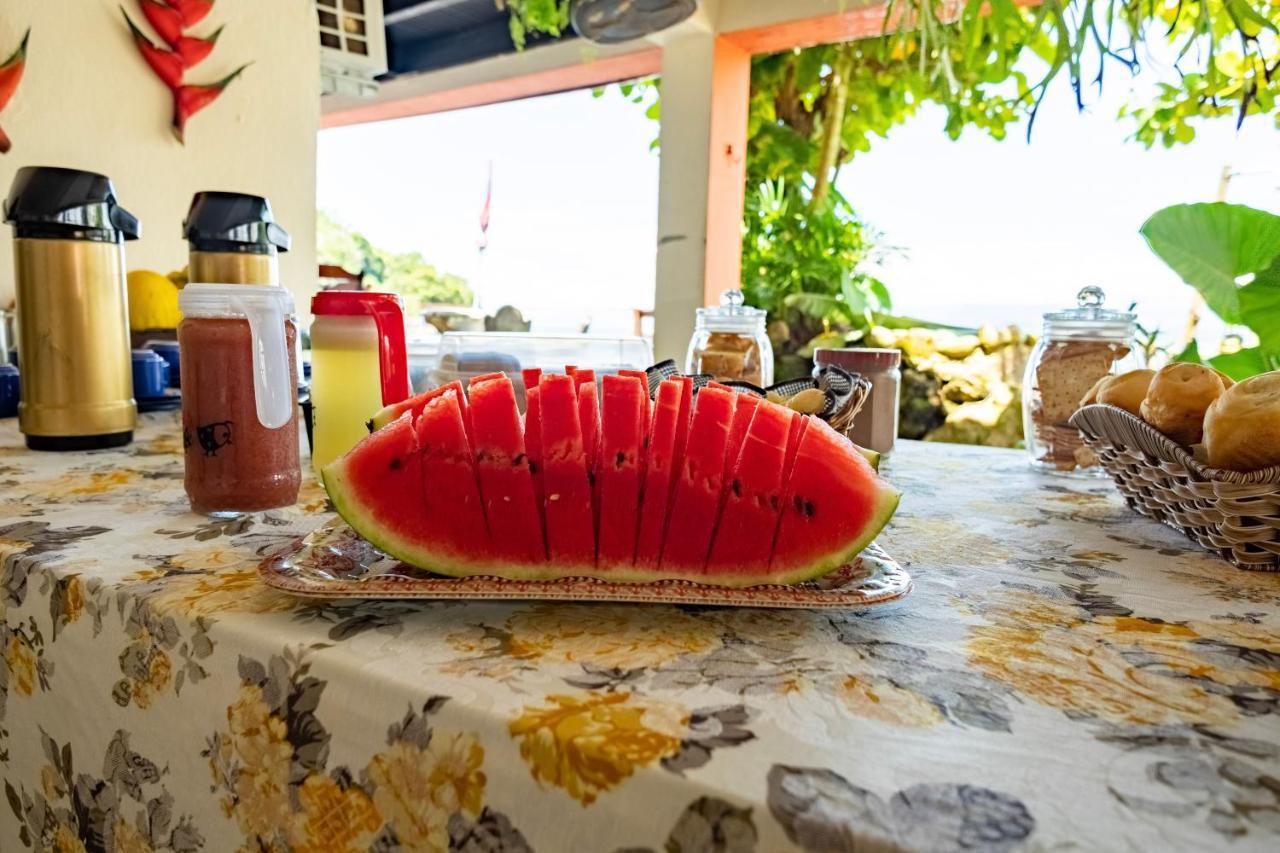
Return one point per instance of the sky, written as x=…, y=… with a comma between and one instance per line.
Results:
x=990, y=232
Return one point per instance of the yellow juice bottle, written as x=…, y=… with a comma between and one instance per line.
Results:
x=345, y=389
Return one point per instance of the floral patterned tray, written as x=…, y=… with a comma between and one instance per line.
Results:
x=334, y=562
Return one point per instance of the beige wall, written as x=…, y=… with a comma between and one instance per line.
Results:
x=89, y=101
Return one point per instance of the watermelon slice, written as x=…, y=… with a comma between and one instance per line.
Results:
x=667, y=438
x=410, y=489
x=697, y=491
x=834, y=506
x=505, y=482
x=588, y=414
x=414, y=405
x=618, y=472
x=794, y=501
x=567, y=500
x=533, y=429
x=753, y=495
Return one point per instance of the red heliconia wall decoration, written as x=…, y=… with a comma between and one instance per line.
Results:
x=172, y=20
x=10, y=77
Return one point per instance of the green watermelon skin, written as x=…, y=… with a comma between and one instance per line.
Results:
x=834, y=506
x=506, y=485
x=618, y=470
x=753, y=495
x=667, y=438
x=567, y=500
x=701, y=480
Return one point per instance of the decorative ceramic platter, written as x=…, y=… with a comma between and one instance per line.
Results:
x=334, y=562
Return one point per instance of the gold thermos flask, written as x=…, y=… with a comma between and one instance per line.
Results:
x=233, y=239
x=73, y=321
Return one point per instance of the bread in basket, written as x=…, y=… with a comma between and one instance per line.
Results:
x=1234, y=514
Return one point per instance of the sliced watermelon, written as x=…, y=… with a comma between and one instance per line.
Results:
x=834, y=506
x=567, y=501
x=588, y=414
x=646, y=416
x=697, y=491
x=506, y=485
x=753, y=496
x=533, y=431
x=410, y=489
x=667, y=438
x=414, y=405
x=618, y=471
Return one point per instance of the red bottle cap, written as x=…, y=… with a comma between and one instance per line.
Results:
x=387, y=311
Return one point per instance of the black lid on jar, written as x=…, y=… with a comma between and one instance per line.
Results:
x=233, y=222
x=51, y=202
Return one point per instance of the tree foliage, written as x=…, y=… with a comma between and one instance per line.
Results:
x=405, y=273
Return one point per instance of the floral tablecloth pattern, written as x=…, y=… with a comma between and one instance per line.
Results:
x=1065, y=675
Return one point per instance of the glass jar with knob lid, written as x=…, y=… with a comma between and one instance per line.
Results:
x=729, y=342
x=1078, y=347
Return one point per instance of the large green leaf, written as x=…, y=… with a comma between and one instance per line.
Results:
x=1260, y=306
x=1211, y=245
x=1241, y=364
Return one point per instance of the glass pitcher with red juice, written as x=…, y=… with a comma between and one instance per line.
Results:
x=239, y=404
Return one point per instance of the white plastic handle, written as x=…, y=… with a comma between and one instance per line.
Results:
x=273, y=390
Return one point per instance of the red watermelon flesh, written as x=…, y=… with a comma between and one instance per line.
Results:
x=667, y=438
x=835, y=505
x=567, y=500
x=588, y=414
x=414, y=405
x=646, y=416
x=451, y=485
x=618, y=474
x=697, y=491
x=506, y=485
x=753, y=495
x=533, y=429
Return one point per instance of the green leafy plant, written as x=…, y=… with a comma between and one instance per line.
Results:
x=1230, y=254
x=548, y=17
x=406, y=273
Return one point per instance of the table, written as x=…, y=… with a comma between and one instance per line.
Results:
x=1065, y=674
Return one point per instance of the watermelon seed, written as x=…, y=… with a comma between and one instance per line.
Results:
x=591, y=478
x=736, y=485
x=619, y=459
x=395, y=464
x=773, y=502
x=519, y=460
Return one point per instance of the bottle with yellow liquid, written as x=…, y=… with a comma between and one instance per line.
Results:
x=359, y=363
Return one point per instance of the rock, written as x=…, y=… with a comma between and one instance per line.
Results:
x=995, y=421
x=920, y=406
x=955, y=346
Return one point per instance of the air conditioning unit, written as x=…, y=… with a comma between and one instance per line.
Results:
x=353, y=46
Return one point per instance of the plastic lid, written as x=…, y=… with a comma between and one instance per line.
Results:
x=387, y=312
x=67, y=204
x=233, y=222
x=266, y=307
x=859, y=359
x=731, y=315
x=1090, y=316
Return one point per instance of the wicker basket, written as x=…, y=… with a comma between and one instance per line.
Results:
x=1234, y=514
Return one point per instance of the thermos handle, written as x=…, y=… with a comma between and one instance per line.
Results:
x=273, y=390
x=393, y=355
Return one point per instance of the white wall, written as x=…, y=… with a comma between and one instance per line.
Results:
x=89, y=101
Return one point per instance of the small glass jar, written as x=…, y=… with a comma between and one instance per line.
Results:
x=1078, y=347
x=239, y=397
x=730, y=342
x=875, y=427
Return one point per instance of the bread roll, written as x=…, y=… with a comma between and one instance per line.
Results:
x=1126, y=391
x=1177, y=399
x=1242, y=427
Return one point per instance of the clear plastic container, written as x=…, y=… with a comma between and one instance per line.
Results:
x=1079, y=346
x=730, y=342
x=467, y=354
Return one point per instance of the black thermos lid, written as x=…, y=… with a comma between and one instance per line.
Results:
x=233, y=222
x=51, y=202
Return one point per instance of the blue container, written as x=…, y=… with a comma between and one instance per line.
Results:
x=9, y=391
x=169, y=351
x=150, y=374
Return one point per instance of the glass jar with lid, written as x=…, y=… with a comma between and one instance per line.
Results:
x=1078, y=347
x=729, y=342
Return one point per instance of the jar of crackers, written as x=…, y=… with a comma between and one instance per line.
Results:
x=1079, y=346
x=729, y=342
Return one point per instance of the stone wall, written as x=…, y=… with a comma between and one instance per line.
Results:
x=960, y=388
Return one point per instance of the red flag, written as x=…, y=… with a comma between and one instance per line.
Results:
x=484, y=211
